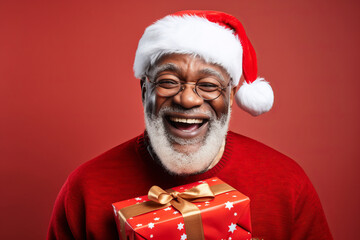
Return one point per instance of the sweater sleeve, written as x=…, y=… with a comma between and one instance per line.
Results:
x=67, y=220
x=59, y=226
x=310, y=221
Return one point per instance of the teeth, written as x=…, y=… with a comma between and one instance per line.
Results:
x=186, y=120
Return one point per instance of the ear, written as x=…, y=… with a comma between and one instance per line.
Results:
x=143, y=88
x=232, y=94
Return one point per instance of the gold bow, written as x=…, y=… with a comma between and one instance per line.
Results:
x=160, y=198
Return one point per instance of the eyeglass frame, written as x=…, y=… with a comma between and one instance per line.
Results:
x=182, y=87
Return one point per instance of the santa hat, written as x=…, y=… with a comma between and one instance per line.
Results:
x=218, y=38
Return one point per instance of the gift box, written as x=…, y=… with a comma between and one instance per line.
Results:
x=208, y=209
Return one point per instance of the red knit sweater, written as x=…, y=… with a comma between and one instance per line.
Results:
x=284, y=204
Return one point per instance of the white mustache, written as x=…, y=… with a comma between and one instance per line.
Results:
x=167, y=110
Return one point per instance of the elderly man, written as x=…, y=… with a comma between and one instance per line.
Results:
x=190, y=64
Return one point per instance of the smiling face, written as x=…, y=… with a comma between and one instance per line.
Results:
x=191, y=128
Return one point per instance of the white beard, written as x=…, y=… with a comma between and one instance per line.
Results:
x=186, y=163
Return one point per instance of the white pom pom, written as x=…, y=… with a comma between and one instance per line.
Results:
x=255, y=98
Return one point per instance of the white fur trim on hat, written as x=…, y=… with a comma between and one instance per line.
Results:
x=190, y=34
x=255, y=98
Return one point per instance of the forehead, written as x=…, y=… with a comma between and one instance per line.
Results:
x=187, y=64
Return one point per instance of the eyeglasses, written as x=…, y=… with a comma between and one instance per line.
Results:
x=206, y=88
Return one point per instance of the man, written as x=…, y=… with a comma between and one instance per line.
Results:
x=190, y=64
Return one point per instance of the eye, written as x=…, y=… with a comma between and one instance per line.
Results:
x=167, y=83
x=207, y=86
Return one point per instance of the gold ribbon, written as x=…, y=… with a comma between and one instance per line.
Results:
x=160, y=198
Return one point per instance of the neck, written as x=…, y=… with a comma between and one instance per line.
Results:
x=218, y=156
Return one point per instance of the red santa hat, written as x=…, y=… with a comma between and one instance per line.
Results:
x=216, y=37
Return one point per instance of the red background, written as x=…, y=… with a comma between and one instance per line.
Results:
x=67, y=94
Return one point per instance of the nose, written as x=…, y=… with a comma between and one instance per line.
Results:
x=188, y=98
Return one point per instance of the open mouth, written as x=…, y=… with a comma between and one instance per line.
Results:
x=186, y=124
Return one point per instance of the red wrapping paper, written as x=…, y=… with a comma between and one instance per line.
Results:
x=227, y=216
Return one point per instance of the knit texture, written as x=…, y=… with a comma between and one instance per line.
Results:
x=284, y=204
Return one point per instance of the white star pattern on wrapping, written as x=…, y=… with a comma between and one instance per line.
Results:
x=207, y=202
x=151, y=236
x=151, y=225
x=156, y=219
x=229, y=205
x=139, y=225
x=234, y=195
x=138, y=199
x=180, y=226
x=183, y=237
x=230, y=238
x=235, y=214
x=232, y=228
x=176, y=212
x=214, y=180
x=167, y=209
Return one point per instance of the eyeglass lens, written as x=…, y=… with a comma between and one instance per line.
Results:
x=207, y=89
